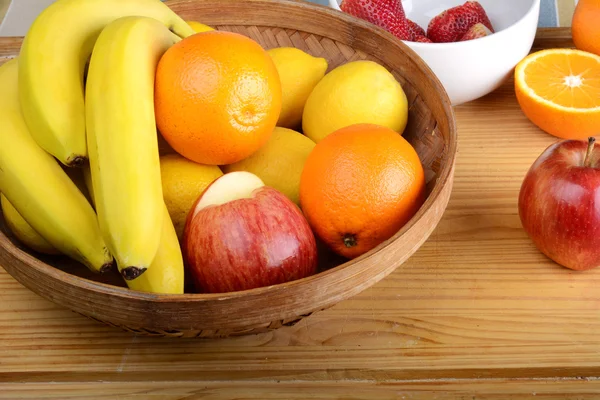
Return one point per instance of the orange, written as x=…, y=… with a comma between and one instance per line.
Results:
x=359, y=186
x=585, y=26
x=559, y=91
x=217, y=97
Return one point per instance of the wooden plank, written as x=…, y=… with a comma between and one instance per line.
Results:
x=9, y=47
x=476, y=309
x=553, y=37
x=489, y=389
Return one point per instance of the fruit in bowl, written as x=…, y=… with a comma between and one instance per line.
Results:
x=469, y=69
x=356, y=92
x=359, y=186
x=218, y=97
x=467, y=21
x=199, y=27
x=182, y=182
x=388, y=14
x=231, y=194
x=299, y=73
x=22, y=230
x=242, y=235
x=280, y=162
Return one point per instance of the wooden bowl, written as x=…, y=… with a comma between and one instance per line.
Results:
x=322, y=32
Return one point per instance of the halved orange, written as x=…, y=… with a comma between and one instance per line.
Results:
x=559, y=91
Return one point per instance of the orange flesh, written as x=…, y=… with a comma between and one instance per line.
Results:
x=567, y=80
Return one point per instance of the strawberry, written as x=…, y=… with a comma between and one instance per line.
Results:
x=477, y=31
x=387, y=14
x=415, y=29
x=477, y=8
x=421, y=39
x=452, y=24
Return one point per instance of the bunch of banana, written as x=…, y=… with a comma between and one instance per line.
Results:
x=40, y=191
x=166, y=274
x=23, y=231
x=52, y=65
x=82, y=91
x=122, y=139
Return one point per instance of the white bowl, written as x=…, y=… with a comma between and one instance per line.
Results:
x=471, y=69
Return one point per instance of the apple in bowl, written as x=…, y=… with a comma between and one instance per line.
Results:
x=559, y=204
x=241, y=234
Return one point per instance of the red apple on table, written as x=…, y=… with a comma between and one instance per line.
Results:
x=241, y=234
x=559, y=204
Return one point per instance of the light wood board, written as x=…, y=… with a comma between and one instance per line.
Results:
x=476, y=313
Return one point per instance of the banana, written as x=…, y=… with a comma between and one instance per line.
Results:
x=76, y=175
x=23, y=231
x=52, y=65
x=122, y=139
x=166, y=274
x=36, y=185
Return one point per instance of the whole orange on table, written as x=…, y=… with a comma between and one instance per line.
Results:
x=359, y=186
x=217, y=97
x=585, y=26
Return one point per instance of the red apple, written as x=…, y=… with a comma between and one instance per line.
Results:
x=559, y=204
x=241, y=234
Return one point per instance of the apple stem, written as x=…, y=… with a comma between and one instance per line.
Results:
x=588, y=156
x=349, y=240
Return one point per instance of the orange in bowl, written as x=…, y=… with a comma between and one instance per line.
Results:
x=559, y=91
x=217, y=97
x=360, y=185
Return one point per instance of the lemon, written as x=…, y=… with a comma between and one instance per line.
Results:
x=182, y=182
x=279, y=163
x=22, y=230
x=353, y=93
x=198, y=27
x=299, y=73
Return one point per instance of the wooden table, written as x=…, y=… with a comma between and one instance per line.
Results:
x=476, y=309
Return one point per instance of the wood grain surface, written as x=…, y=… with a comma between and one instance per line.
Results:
x=476, y=313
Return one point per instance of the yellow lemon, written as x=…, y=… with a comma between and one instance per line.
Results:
x=198, y=27
x=353, y=93
x=23, y=231
x=299, y=73
x=279, y=163
x=182, y=182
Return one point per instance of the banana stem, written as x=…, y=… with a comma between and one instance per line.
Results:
x=131, y=273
